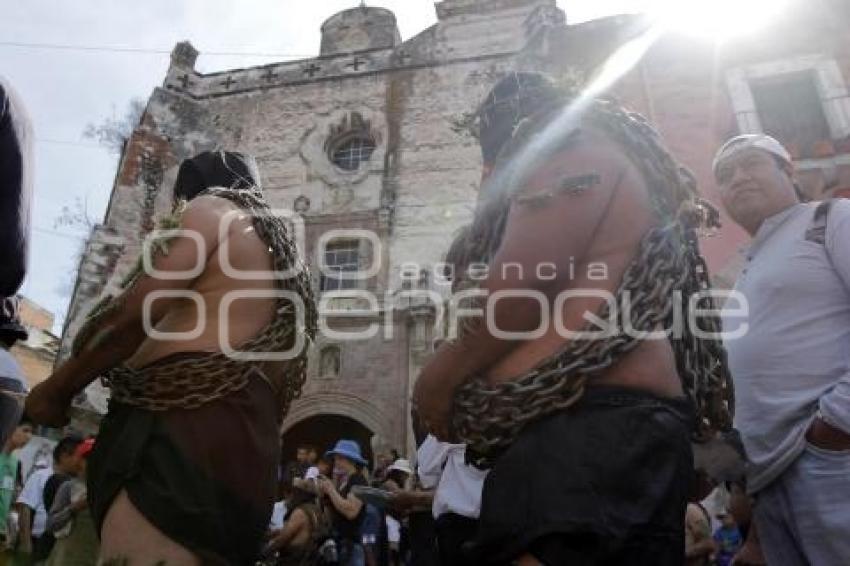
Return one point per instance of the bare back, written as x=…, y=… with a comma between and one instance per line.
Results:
x=611, y=246
x=241, y=249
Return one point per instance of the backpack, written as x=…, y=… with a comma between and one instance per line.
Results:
x=816, y=232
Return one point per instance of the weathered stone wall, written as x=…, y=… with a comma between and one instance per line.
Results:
x=359, y=29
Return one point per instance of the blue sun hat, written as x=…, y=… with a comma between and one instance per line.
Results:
x=348, y=449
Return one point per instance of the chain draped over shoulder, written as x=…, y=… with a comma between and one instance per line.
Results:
x=187, y=381
x=664, y=286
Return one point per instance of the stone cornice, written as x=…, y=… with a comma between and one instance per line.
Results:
x=316, y=70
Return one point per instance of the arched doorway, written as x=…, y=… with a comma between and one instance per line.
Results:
x=322, y=431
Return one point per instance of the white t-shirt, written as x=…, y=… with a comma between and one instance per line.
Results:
x=393, y=530
x=458, y=485
x=278, y=513
x=33, y=497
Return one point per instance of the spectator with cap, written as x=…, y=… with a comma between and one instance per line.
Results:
x=347, y=511
x=69, y=519
x=399, y=476
x=788, y=354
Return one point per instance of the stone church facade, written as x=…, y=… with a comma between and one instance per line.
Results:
x=362, y=145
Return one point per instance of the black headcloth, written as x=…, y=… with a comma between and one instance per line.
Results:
x=227, y=169
x=514, y=97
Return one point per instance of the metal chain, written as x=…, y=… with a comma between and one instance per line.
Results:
x=190, y=381
x=488, y=418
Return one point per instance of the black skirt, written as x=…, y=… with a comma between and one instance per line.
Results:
x=205, y=477
x=604, y=482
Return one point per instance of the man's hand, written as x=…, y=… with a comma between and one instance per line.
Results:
x=274, y=540
x=47, y=406
x=325, y=485
x=749, y=555
x=823, y=435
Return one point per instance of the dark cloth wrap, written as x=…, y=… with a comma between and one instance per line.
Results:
x=205, y=477
x=604, y=483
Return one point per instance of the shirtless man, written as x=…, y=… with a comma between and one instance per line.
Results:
x=591, y=461
x=185, y=467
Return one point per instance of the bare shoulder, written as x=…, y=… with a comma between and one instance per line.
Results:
x=207, y=206
x=298, y=517
x=206, y=215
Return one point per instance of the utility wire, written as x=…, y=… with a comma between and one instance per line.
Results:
x=111, y=49
x=69, y=142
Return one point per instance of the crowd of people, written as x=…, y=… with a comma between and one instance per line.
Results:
x=407, y=515
x=549, y=449
x=45, y=519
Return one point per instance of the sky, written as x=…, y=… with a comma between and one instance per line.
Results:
x=67, y=85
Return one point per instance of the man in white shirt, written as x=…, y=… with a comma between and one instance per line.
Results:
x=31, y=505
x=457, y=499
x=790, y=363
x=36, y=498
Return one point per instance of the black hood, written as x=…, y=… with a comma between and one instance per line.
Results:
x=227, y=169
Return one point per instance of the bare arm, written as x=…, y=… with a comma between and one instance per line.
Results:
x=349, y=507
x=697, y=524
x=751, y=553
x=293, y=527
x=123, y=328
x=409, y=500
x=63, y=508
x=544, y=226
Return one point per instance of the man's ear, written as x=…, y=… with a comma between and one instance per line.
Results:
x=788, y=169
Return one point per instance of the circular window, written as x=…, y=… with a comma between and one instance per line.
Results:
x=350, y=152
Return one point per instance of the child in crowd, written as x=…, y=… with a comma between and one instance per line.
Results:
x=728, y=539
